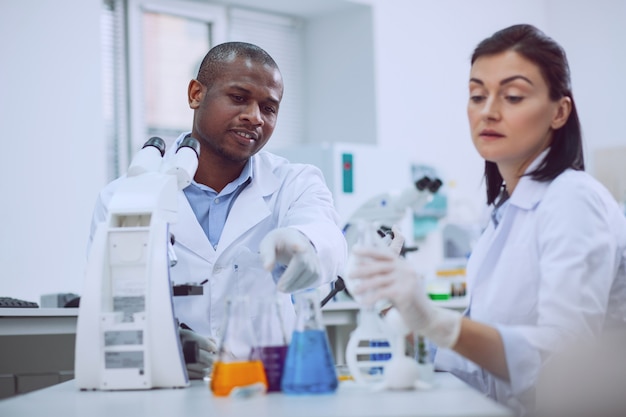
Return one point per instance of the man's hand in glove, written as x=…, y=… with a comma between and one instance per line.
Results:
x=290, y=247
x=385, y=276
x=207, y=350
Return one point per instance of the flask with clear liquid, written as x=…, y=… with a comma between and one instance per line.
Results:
x=238, y=363
x=309, y=367
x=272, y=338
x=371, y=345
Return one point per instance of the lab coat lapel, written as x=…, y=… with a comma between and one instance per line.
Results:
x=250, y=207
x=188, y=232
x=527, y=196
x=485, y=256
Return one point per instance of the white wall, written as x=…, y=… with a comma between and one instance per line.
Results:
x=53, y=161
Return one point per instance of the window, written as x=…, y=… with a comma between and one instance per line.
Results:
x=167, y=41
x=152, y=48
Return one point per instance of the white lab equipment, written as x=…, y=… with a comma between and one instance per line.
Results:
x=402, y=372
x=370, y=182
x=375, y=350
x=355, y=172
x=372, y=343
x=388, y=209
x=127, y=335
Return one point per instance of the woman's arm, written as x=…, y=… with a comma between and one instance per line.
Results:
x=483, y=345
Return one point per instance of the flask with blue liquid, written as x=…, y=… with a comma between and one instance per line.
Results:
x=309, y=366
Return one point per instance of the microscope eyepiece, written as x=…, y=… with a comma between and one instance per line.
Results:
x=157, y=142
x=435, y=185
x=423, y=183
x=190, y=142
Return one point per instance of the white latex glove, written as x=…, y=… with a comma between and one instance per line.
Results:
x=385, y=276
x=207, y=353
x=289, y=246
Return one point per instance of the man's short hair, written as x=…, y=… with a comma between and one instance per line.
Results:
x=213, y=62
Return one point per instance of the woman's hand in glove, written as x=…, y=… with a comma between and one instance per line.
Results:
x=384, y=275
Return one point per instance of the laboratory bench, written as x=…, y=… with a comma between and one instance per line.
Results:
x=449, y=396
x=37, y=344
x=36, y=348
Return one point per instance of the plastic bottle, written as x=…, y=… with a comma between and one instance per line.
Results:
x=309, y=367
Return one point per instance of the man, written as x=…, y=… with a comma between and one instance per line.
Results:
x=246, y=212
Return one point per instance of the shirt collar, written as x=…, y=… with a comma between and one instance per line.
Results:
x=528, y=191
x=247, y=173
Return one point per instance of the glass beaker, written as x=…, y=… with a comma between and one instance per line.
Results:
x=309, y=367
x=270, y=330
x=238, y=361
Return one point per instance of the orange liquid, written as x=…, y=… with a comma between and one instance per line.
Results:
x=227, y=376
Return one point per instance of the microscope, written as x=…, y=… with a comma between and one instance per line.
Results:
x=387, y=209
x=127, y=333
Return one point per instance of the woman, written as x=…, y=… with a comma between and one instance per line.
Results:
x=549, y=268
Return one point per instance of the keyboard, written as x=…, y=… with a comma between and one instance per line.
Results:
x=9, y=302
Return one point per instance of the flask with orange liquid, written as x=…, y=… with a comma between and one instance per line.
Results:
x=238, y=364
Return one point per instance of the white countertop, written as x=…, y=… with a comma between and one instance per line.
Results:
x=450, y=397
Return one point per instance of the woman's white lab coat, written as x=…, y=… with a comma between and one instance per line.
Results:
x=552, y=270
x=281, y=194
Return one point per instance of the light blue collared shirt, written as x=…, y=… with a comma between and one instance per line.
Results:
x=211, y=209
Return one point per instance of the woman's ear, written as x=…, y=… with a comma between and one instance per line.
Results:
x=562, y=113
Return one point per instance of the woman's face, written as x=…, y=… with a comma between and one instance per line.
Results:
x=510, y=112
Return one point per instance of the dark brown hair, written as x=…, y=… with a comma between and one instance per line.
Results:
x=566, y=150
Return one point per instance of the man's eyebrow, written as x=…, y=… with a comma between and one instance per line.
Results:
x=272, y=100
x=505, y=81
x=239, y=88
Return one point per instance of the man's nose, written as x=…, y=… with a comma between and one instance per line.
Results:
x=252, y=113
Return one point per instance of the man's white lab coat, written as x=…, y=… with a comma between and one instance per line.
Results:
x=280, y=194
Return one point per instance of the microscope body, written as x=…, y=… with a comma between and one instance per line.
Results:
x=388, y=209
x=127, y=333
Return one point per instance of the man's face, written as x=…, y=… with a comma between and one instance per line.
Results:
x=235, y=115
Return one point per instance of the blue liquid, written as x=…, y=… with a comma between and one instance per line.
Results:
x=309, y=367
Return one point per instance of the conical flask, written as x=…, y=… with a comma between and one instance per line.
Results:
x=238, y=361
x=309, y=367
x=370, y=345
x=270, y=330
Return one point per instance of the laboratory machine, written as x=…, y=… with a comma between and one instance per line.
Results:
x=127, y=334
